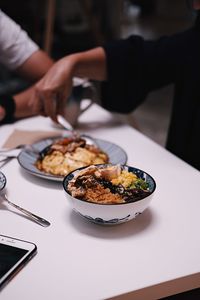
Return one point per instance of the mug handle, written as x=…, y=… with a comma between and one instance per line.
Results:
x=82, y=109
x=90, y=94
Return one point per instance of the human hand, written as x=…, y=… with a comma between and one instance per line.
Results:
x=53, y=90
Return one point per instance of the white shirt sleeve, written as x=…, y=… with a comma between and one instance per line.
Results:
x=15, y=45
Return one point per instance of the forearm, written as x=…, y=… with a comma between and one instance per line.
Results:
x=22, y=108
x=58, y=82
x=35, y=66
x=33, y=69
x=90, y=64
x=20, y=54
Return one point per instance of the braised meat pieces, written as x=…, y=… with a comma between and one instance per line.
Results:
x=107, y=185
x=68, y=154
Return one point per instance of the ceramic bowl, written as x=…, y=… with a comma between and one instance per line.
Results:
x=111, y=214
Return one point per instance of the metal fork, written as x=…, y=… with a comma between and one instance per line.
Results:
x=67, y=126
x=8, y=155
x=5, y=160
x=21, y=146
x=13, y=148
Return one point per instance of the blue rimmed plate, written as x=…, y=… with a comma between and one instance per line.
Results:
x=27, y=158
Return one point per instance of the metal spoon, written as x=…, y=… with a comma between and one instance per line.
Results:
x=66, y=125
x=63, y=122
x=3, y=195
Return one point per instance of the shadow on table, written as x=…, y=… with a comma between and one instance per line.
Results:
x=130, y=228
x=39, y=181
x=3, y=205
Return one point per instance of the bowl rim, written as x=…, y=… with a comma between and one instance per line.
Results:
x=109, y=204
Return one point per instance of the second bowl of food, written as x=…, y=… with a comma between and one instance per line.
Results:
x=109, y=194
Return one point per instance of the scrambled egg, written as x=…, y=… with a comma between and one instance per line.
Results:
x=59, y=163
x=125, y=178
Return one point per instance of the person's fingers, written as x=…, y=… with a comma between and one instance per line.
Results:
x=63, y=97
x=43, y=103
x=50, y=104
x=50, y=100
x=61, y=103
x=36, y=104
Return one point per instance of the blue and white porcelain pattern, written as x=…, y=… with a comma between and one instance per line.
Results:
x=111, y=214
x=27, y=158
x=2, y=181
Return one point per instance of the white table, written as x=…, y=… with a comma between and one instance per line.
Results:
x=153, y=256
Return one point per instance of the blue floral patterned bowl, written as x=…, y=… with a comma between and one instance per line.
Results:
x=111, y=214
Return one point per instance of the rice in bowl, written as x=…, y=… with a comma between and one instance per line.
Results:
x=109, y=194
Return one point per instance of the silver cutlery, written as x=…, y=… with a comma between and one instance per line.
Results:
x=34, y=217
x=67, y=126
x=63, y=122
x=5, y=160
x=7, y=154
x=3, y=150
x=21, y=146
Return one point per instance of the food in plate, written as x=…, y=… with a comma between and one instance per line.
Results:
x=108, y=184
x=69, y=153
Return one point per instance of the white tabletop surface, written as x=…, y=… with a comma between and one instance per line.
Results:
x=152, y=256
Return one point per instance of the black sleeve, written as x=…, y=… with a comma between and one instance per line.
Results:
x=136, y=67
